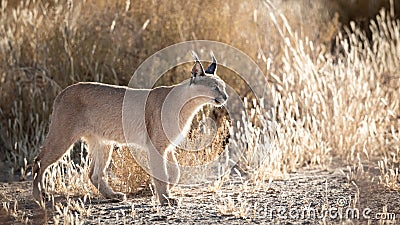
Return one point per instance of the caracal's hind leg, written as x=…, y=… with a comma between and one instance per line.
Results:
x=160, y=176
x=101, y=156
x=173, y=173
x=56, y=144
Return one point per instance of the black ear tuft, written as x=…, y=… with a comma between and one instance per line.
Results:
x=197, y=69
x=195, y=57
x=212, y=68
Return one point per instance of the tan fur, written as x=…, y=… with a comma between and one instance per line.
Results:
x=154, y=119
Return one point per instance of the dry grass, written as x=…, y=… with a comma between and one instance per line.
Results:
x=342, y=104
x=327, y=105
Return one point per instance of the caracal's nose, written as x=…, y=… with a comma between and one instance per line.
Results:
x=225, y=97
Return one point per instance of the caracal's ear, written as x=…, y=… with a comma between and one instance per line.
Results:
x=212, y=68
x=197, y=69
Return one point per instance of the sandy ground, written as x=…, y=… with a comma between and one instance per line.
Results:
x=293, y=200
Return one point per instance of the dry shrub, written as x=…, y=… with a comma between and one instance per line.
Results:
x=129, y=176
x=361, y=11
x=204, y=143
x=327, y=105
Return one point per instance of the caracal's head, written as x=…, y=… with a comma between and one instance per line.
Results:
x=206, y=84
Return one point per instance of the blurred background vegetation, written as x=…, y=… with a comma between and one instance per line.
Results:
x=47, y=45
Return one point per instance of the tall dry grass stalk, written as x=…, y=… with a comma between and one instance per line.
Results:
x=343, y=104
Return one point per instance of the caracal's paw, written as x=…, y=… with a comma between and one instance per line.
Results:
x=40, y=196
x=169, y=202
x=118, y=196
x=37, y=194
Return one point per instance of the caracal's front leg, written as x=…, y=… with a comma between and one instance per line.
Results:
x=101, y=156
x=161, y=177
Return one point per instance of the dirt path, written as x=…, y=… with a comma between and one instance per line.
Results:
x=299, y=199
